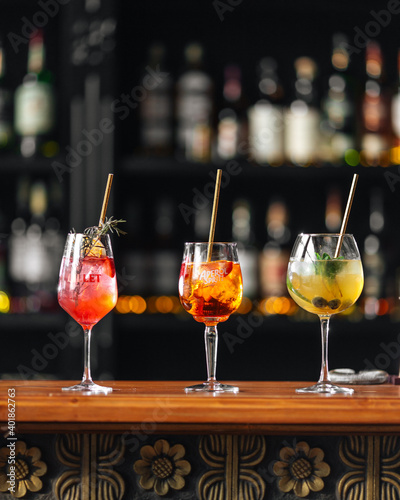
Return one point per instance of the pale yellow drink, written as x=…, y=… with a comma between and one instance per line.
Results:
x=325, y=287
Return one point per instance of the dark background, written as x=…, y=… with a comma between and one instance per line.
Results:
x=156, y=346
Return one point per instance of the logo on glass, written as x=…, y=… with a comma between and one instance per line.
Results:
x=91, y=278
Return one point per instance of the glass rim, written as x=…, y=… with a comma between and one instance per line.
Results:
x=327, y=234
x=214, y=243
x=86, y=235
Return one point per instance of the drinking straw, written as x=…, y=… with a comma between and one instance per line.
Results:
x=214, y=214
x=105, y=200
x=346, y=215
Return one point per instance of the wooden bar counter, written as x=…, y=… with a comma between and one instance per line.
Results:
x=151, y=439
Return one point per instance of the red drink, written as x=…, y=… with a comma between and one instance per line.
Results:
x=88, y=291
x=211, y=291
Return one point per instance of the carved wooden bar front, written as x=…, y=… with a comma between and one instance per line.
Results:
x=158, y=442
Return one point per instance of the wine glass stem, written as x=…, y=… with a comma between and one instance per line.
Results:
x=211, y=342
x=324, y=375
x=87, y=376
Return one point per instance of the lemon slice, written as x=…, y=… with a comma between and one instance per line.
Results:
x=97, y=250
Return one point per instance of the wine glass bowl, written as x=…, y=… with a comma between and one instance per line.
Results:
x=87, y=291
x=211, y=289
x=325, y=277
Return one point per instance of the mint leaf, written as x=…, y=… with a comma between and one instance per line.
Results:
x=328, y=269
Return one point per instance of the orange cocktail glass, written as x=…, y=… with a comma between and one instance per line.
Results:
x=211, y=291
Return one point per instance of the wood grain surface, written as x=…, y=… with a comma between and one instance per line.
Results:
x=150, y=406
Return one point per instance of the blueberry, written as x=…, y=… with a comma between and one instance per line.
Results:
x=334, y=304
x=319, y=302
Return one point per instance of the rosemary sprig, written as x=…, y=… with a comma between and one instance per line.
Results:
x=94, y=233
x=110, y=225
x=91, y=240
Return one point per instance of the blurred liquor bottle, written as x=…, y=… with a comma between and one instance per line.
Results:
x=34, y=101
x=156, y=110
x=333, y=210
x=338, y=121
x=135, y=253
x=166, y=258
x=202, y=220
x=395, y=156
x=35, y=248
x=373, y=258
x=266, y=127
x=53, y=241
x=6, y=111
x=37, y=268
x=17, y=245
x=4, y=284
x=302, y=118
x=248, y=255
x=194, y=108
x=231, y=126
x=274, y=257
x=375, y=111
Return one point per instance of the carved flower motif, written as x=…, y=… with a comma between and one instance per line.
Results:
x=301, y=469
x=161, y=467
x=27, y=469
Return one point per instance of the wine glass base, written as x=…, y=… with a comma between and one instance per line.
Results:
x=212, y=387
x=325, y=388
x=89, y=387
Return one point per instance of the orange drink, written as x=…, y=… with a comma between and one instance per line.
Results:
x=211, y=291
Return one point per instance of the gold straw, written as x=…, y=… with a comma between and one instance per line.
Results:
x=346, y=214
x=105, y=200
x=214, y=214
